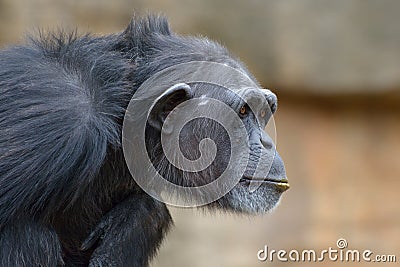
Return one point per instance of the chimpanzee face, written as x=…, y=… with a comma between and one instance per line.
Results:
x=256, y=168
x=206, y=141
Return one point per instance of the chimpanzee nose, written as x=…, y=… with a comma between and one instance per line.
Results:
x=266, y=141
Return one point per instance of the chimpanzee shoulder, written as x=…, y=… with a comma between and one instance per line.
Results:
x=62, y=97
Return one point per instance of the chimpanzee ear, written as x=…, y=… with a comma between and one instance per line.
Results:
x=167, y=101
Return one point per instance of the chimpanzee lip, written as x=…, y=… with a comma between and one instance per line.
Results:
x=281, y=183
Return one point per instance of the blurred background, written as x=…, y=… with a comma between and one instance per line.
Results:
x=335, y=66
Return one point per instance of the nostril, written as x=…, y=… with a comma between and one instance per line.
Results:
x=266, y=145
x=266, y=141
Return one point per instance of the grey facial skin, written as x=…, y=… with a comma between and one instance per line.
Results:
x=263, y=165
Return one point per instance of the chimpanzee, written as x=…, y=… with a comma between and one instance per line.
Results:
x=67, y=195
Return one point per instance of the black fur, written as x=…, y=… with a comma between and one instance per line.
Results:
x=66, y=195
x=62, y=172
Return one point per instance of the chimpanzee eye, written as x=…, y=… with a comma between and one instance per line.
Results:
x=243, y=110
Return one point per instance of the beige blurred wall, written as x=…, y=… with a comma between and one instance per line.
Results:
x=322, y=46
x=336, y=68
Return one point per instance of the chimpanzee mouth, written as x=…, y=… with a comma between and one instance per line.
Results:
x=281, y=184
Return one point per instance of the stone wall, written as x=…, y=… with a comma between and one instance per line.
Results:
x=320, y=46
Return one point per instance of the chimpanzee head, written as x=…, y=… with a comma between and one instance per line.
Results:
x=194, y=131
